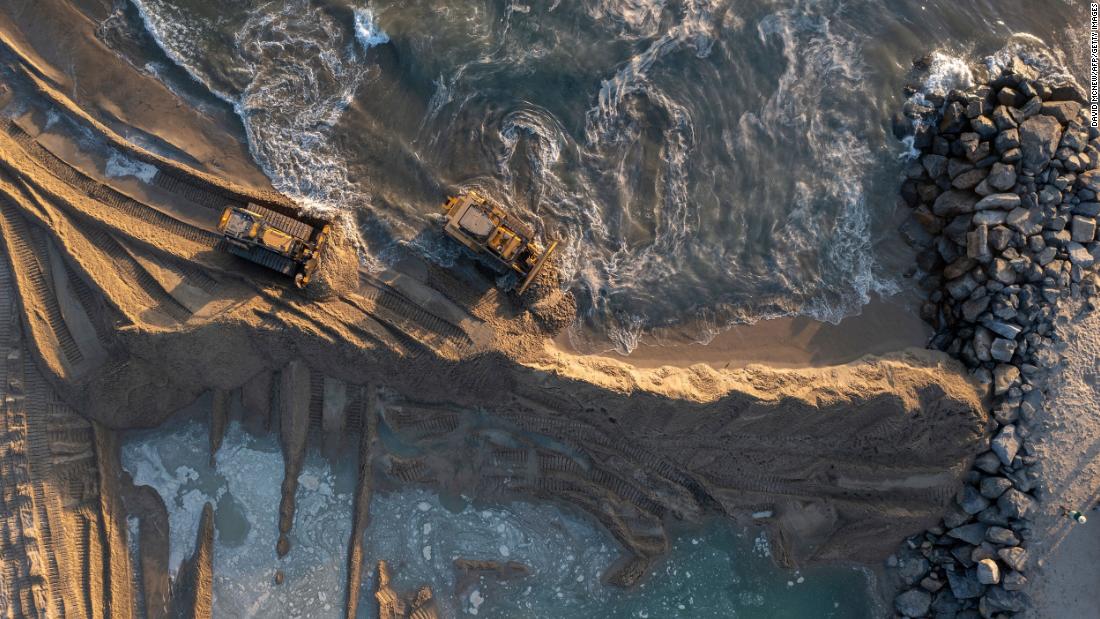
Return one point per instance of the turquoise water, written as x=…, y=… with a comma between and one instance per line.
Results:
x=713, y=570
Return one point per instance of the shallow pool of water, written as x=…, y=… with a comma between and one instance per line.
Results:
x=712, y=571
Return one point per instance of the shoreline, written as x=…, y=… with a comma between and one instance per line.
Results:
x=885, y=325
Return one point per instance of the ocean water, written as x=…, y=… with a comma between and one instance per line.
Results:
x=712, y=571
x=703, y=162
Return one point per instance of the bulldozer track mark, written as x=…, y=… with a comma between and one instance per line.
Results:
x=26, y=257
x=108, y=195
x=176, y=183
x=92, y=306
x=397, y=310
x=137, y=274
x=316, y=398
x=409, y=471
x=462, y=292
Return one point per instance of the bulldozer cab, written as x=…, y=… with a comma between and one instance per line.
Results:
x=485, y=227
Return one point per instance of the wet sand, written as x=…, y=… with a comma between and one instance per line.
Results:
x=885, y=325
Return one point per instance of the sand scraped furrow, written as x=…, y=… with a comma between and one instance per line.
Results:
x=109, y=208
x=35, y=290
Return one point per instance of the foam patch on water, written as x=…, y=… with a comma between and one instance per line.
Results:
x=947, y=72
x=367, y=31
x=289, y=75
x=119, y=165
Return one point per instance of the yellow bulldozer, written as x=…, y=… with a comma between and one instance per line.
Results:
x=274, y=240
x=486, y=228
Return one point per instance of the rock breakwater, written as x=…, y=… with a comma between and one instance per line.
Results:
x=1004, y=202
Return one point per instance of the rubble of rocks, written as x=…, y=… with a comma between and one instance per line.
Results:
x=1004, y=205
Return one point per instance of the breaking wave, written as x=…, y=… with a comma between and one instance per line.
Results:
x=289, y=72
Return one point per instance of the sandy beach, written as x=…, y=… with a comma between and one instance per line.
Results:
x=120, y=307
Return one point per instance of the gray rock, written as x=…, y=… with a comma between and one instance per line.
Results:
x=982, y=341
x=997, y=599
x=1007, y=140
x=954, y=516
x=1014, y=581
x=1063, y=111
x=1039, y=137
x=977, y=243
x=1012, y=155
x=954, y=202
x=999, y=236
x=913, y=603
x=1007, y=443
x=954, y=118
x=1087, y=209
x=1002, y=349
x=1016, y=504
x=1002, y=119
x=962, y=287
x=1033, y=106
x=964, y=586
x=1015, y=558
x=1079, y=255
x=1046, y=256
x=958, y=268
x=983, y=126
x=970, y=500
x=972, y=534
x=1090, y=180
x=1020, y=219
x=1009, y=97
x=1002, y=177
x=912, y=568
x=1002, y=271
x=1006, y=201
x=1050, y=195
x=956, y=166
x=969, y=179
x=992, y=516
x=1083, y=229
x=985, y=550
x=1002, y=536
x=935, y=165
x=988, y=572
x=988, y=462
x=989, y=218
x=973, y=308
x=931, y=584
x=1004, y=377
x=1003, y=329
x=994, y=487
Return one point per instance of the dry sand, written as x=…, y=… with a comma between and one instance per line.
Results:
x=1067, y=441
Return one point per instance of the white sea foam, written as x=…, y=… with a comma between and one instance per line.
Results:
x=367, y=31
x=119, y=165
x=946, y=72
x=295, y=78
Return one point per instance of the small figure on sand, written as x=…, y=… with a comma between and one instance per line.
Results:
x=1074, y=514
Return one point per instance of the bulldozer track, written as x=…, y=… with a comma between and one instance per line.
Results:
x=289, y=225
